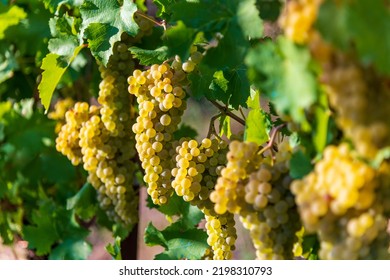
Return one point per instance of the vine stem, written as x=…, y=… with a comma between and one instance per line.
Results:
x=162, y=23
x=225, y=111
x=212, y=130
x=271, y=141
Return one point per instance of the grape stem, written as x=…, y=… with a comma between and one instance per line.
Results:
x=271, y=141
x=225, y=111
x=212, y=130
x=162, y=23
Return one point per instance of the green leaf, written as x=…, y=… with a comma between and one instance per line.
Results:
x=300, y=165
x=84, y=202
x=10, y=15
x=352, y=25
x=190, y=245
x=53, y=66
x=115, y=249
x=253, y=101
x=43, y=234
x=249, y=20
x=283, y=72
x=71, y=249
x=310, y=246
x=153, y=237
x=269, y=9
x=163, y=7
x=256, y=127
x=225, y=126
x=322, y=115
x=179, y=39
x=230, y=86
x=103, y=23
x=8, y=63
x=149, y=57
x=185, y=131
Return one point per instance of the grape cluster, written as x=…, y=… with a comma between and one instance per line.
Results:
x=198, y=166
x=298, y=19
x=257, y=189
x=160, y=93
x=339, y=200
x=67, y=141
x=221, y=233
x=60, y=109
x=361, y=100
x=229, y=193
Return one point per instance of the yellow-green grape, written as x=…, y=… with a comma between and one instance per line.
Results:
x=229, y=193
x=60, y=109
x=221, y=233
x=271, y=215
x=109, y=161
x=339, y=200
x=67, y=141
x=160, y=96
x=361, y=100
x=113, y=96
x=198, y=166
x=298, y=19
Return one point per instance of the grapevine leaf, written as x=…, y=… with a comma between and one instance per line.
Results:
x=63, y=46
x=219, y=87
x=322, y=115
x=300, y=165
x=239, y=87
x=84, y=202
x=230, y=87
x=256, y=127
x=10, y=15
x=154, y=237
x=185, y=131
x=249, y=20
x=8, y=63
x=225, y=126
x=71, y=249
x=149, y=57
x=53, y=66
x=190, y=244
x=283, y=72
x=43, y=234
x=310, y=247
x=103, y=23
x=163, y=7
x=352, y=23
x=200, y=82
x=115, y=249
x=253, y=101
x=179, y=39
x=269, y=9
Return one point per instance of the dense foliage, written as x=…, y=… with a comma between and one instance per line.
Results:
x=92, y=95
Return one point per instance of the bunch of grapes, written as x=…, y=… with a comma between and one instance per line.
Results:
x=339, y=200
x=361, y=100
x=103, y=139
x=272, y=216
x=257, y=189
x=67, y=141
x=298, y=18
x=60, y=109
x=229, y=193
x=198, y=166
x=160, y=93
